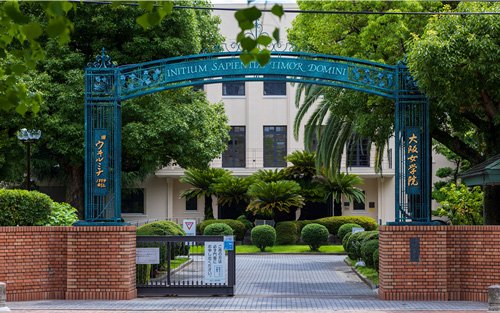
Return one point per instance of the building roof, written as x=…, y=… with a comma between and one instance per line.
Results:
x=486, y=173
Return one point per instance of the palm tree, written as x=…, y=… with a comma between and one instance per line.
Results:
x=342, y=184
x=202, y=182
x=232, y=194
x=303, y=165
x=267, y=175
x=275, y=198
x=334, y=131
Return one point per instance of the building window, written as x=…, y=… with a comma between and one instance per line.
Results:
x=233, y=89
x=133, y=200
x=274, y=146
x=199, y=87
x=234, y=156
x=358, y=152
x=274, y=88
x=192, y=204
x=358, y=206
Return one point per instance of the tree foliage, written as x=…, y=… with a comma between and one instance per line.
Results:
x=178, y=126
x=463, y=206
x=338, y=114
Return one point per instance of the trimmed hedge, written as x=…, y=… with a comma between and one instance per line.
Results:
x=344, y=241
x=287, y=233
x=263, y=236
x=218, y=229
x=238, y=227
x=333, y=223
x=375, y=259
x=367, y=250
x=245, y=221
x=345, y=229
x=356, y=240
x=315, y=235
x=23, y=208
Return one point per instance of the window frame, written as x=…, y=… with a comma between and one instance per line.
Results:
x=194, y=201
x=276, y=162
x=358, y=152
x=274, y=82
x=236, y=161
x=124, y=198
x=225, y=85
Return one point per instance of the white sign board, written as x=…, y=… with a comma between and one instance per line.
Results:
x=147, y=256
x=215, y=261
x=189, y=226
x=357, y=230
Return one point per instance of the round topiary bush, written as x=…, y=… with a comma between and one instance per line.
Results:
x=218, y=229
x=346, y=228
x=23, y=208
x=238, y=227
x=364, y=237
x=245, y=221
x=375, y=259
x=333, y=223
x=352, y=246
x=263, y=236
x=367, y=250
x=287, y=233
x=344, y=241
x=315, y=235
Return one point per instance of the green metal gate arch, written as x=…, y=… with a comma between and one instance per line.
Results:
x=107, y=85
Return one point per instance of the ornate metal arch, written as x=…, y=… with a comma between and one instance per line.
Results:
x=106, y=86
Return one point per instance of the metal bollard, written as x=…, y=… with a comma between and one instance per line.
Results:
x=3, y=297
x=494, y=298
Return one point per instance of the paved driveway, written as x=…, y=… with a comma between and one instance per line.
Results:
x=268, y=283
x=300, y=275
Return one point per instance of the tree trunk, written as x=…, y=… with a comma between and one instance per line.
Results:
x=209, y=211
x=492, y=205
x=75, y=189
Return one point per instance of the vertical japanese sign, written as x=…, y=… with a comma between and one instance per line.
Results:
x=215, y=258
x=101, y=167
x=412, y=168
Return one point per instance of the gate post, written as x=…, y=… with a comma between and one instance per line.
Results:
x=413, y=151
x=102, y=143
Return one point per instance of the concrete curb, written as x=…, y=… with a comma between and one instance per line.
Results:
x=363, y=278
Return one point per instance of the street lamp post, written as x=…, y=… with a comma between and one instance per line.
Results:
x=28, y=137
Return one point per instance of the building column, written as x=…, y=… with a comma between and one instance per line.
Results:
x=170, y=197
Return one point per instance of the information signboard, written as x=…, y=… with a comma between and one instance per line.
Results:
x=147, y=256
x=215, y=260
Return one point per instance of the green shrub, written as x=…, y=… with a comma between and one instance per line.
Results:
x=245, y=221
x=164, y=228
x=61, y=214
x=302, y=223
x=346, y=228
x=218, y=229
x=352, y=245
x=333, y=223
x=367, y=250
x=23, y=208
x=375, y=259
x=238, y=227
x=143, y=273
x=344, y=241
x=364, y=237
x=263, y=236
x=315, y=235
x=287, y=233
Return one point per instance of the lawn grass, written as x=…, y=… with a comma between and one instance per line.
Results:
x=370, y=273
x=288, y=249
x=178, y=262
x=245, y=249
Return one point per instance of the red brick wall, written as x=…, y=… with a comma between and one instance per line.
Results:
x=40, y=263
x=456, y=262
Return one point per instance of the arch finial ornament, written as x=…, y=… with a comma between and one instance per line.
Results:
x=102, y=61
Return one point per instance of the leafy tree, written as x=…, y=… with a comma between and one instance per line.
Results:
x=457, y=64
x=232, y=195
x=340, y=113
x=342, y=184
x=463, y=206
x=274, y=198
x=172, y=126
x=203, y=182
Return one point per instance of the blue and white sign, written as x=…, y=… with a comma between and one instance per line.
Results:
x=229, y=243
x=215, y=262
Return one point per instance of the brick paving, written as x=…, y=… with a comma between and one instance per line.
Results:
x=268, y=283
